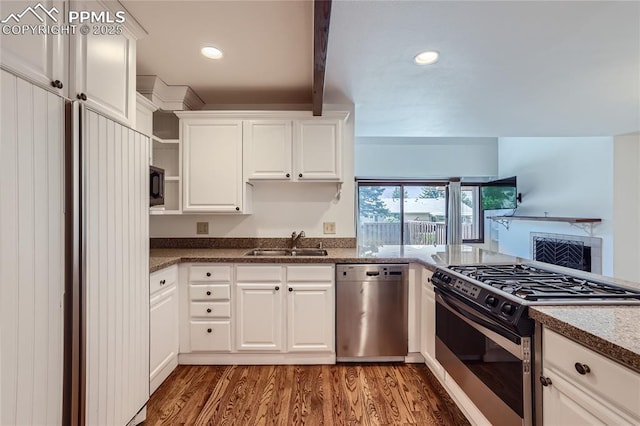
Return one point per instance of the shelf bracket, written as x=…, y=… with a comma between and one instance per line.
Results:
x=586, y=227
x=503, y=222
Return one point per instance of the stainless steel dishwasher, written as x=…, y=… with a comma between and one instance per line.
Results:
x=371, y=312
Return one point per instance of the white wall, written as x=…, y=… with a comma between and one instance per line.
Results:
x=626, y=207
x=563, y=177
x=403, y=157
x=280, y=208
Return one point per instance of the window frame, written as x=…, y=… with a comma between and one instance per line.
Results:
x=419, y=182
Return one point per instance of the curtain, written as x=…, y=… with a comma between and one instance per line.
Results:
x=454, y=218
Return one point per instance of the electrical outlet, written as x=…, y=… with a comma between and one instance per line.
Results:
x=202, y=228
x=329, y=227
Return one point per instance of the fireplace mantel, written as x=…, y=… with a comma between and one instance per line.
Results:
x=584, y=223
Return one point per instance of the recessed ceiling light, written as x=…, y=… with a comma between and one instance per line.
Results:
x=211, y=52
x=426, y=58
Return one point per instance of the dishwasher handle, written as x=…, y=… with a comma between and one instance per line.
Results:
x=373, y=273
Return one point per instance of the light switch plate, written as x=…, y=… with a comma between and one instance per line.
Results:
x=329, y=227
x=202, y=228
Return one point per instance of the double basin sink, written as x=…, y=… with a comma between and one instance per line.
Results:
x=287, y=252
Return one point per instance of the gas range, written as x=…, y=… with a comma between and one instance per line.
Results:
x=503, y=292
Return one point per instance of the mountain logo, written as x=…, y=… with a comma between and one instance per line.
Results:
x=35, y=12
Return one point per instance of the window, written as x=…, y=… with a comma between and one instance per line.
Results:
x=413, y=213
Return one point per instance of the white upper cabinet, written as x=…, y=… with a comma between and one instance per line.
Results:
x=103, y=67
x=318, y=149
x=267, y=147
x=40, y=58
x=98, y=68
x=295, y=146
x=212, y=166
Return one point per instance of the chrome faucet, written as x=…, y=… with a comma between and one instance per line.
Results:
x=294, y=239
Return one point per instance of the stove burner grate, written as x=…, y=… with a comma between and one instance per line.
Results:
x=532, y=283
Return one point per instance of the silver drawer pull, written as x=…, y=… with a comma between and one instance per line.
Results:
x=582, y=368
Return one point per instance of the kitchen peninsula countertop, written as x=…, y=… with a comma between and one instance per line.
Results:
x=612, y=330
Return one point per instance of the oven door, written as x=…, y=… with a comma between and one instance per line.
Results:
x=490, y=363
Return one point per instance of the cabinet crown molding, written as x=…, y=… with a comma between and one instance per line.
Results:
x=256, y=114
x=168, y=98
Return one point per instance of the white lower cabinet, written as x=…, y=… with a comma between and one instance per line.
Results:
x=251, y=313
x=310, y=309
x=210, y=335
x=163, y=325
x=586, y=387
x=428, y=324
x=259, y=316
x=296, y=300
x=209, y=302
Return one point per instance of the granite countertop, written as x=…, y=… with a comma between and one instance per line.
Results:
x=611, y=330
x=430, y=256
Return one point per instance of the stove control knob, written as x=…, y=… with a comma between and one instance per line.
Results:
x=508, y=309
x=491, y=301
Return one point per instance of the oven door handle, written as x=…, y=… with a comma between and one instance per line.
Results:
x=461, y=309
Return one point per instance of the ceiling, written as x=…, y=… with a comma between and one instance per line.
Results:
x=267, y=47
x=507, y=68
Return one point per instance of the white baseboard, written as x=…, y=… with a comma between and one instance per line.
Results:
x=162, y=374
x=414, y=358
x=256, y=359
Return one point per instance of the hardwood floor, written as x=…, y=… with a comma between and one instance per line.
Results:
x=343, y=394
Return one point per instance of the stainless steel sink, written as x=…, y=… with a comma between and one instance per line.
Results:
x=287, y=252
x=269, y=252
x=309, y=252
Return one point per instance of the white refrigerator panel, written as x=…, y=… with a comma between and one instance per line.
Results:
x=115, y=182
x=31, y=253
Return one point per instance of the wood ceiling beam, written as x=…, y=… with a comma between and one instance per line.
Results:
x=321, y=16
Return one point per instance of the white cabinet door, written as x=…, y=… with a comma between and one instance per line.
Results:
x=258, y=317
x=163, y=335
x=564, y=409
x=428, y=324
x=318, y=149
x=212, y=166
x=103, y=69
x=608, y=393
x=310, y=318
x=40, y=58
x=267, y=147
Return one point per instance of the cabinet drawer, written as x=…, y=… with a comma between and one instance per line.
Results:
x=315, y=273
x=210, y=336
x=257, y=274
x=606, y=379
x=163, y=279
x=211, y=309
x=210, y=292
x=211, y=273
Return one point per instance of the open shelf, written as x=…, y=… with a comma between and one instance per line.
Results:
x=549, y=219
x=584, y=223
